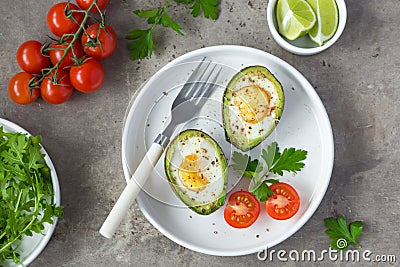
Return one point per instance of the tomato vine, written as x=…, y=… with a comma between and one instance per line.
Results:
x=35, y=82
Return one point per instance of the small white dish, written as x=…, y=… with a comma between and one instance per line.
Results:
x=32, y=246
x=303, y=45
x=304, y=124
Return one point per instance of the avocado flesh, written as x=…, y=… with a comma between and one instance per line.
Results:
x=192, y=203
x=232, y=132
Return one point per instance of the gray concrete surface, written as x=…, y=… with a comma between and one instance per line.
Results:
x=357, y=79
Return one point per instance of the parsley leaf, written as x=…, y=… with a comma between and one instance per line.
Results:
x=289, y=160
x=167, y=21
x=341, y=234
x=263, y=192
x=244, y=165
x=150, y=14
x=271, y=155
x=142, y=45
x=209, y=7
x=142, y=40
x=274, y=162
x=26, y=192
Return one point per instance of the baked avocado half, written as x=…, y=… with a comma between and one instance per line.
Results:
x=196, y=168
x=252, y=107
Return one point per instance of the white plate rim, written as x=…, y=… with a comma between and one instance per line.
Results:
x=314, y=98
x=57, y=194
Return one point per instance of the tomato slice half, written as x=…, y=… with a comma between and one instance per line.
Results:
x=284, y=203
x=242, y=209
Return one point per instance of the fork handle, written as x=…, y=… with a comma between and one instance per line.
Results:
x=133, y=188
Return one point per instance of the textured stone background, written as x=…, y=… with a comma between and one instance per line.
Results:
x=357, y=79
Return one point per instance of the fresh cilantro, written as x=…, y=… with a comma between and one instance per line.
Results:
x=341, y=234
x=289, y=160
x=26, y=192
x=142, y=40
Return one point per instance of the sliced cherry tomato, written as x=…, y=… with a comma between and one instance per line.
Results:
x=62, y=20
x=102, y=42
x=242, y=209
x=56, y=89
x=85, y=4
x=19, y=89
x=87, y=77
x=57, y=51
x=30, y=58
x=284, y=203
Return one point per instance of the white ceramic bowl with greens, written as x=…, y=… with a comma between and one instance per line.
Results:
x=30, y=247
x=304, y=45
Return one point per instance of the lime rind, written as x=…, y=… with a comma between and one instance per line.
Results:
x=327, y=20
x=295, y=18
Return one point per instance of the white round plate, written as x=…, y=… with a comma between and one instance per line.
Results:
x=304, y=125
x=32, y=246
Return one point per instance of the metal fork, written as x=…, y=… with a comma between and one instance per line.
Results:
x=188, y=102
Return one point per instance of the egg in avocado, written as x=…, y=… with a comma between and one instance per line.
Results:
x=196, y=168
x=252, y=107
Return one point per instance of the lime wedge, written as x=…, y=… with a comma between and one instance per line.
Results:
x=327, y=20
x=295, y=18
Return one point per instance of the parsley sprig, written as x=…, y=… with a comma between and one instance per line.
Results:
x=142, y=40
x=26, y=192
x=289, y=160
x=341, y=234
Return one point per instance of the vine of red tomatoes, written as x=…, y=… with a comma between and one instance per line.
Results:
x=71, y=61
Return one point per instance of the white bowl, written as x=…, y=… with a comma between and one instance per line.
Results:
x=31, y=246
x=303, y=45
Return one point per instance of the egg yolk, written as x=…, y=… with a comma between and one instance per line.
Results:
x=253, y=103
x=190, y=174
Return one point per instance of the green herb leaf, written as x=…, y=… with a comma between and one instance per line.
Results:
x=263, y=192
x=290, y=160
x=150, y=13
x=272, y=181
x=244, y=165
x=184, y=1
x=142, y=45
x=209, y=7
x=167, y=21
x=26, y=192
x=356, y=229
x=340, y=234
x=270, y=155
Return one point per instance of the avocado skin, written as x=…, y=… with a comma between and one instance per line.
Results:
x=202, y=209
x=245, y=144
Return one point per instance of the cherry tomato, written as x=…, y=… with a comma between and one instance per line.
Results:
x=19, y=89
x=57, y=51
x=30, y=58
x=59, y=18
x=102, y=43
x=56, y=90
x=284, y=203
x=87, y=77
x=85, y=4
x=242, y=209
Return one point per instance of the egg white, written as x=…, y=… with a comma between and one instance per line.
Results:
x=210, y=164
x=253, y=131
